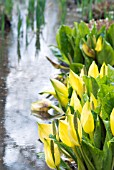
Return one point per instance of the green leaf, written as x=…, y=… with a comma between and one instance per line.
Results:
x=76, y=67
x=111, y=74
x=106, y=97
x=57, y=53
x=110, y=35
x=102, y=32
x=106, y=54
x=63, y=38
x=91, y=85
x=95, y=154
x=81, y=30
x=65, y=147
x=87, y=60
x=107, y=149
x=112, y=145
x=97, y=134
x=64, y=165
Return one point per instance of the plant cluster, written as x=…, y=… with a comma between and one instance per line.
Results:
x=84, y=132
x=80, y=45
x=82, y=129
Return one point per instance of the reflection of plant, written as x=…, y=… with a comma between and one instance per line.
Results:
x=82, y=45
x=5, y=14
x=85, y=133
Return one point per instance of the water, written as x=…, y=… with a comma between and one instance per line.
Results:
x=21, y=80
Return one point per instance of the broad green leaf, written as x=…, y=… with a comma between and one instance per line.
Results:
x=112, y=144
x=106, y=54
x=81, y=30
x=107, y=149
x=106, y=97
x=56, y=52
x=110, y=35
x=111, y=74
x=102, y=32
x=98, y=134
x=96, y=155
x=63, y=41
x=91, y=85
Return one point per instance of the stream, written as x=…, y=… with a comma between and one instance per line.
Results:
x=21, y=79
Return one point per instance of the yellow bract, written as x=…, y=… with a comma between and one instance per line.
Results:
x=61, y=92
x=72, y=132
x=112, y=121
x=75, y=102
x=99, y=44
x=93, y=101
x=62, y=99
x=87, y=120
x=76, y=82
x=52, y=163
x=59, y=87
x=44, y=131
x=103, y=70
x=63, y=133
x=89, y=52
x=93, y=70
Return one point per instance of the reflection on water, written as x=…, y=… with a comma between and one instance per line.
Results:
x=28, y=75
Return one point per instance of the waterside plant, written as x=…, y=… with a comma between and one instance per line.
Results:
x=83, y=135
x=81, y=45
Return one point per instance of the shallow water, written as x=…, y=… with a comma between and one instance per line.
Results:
x=21, y=81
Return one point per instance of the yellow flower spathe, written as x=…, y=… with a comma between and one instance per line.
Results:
x=93, y=70
x=62, y=99
x=112, y=121
x=59, y=87
x=87, y=119
x=103, y=70
x=53, y=163
x=44, y=130
x=63, y=133
x=76, y=82
x=89, y=52
x=99, y=44
x=61, y=92
x=75, y=102
x=72, y=132
x=93, y=101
